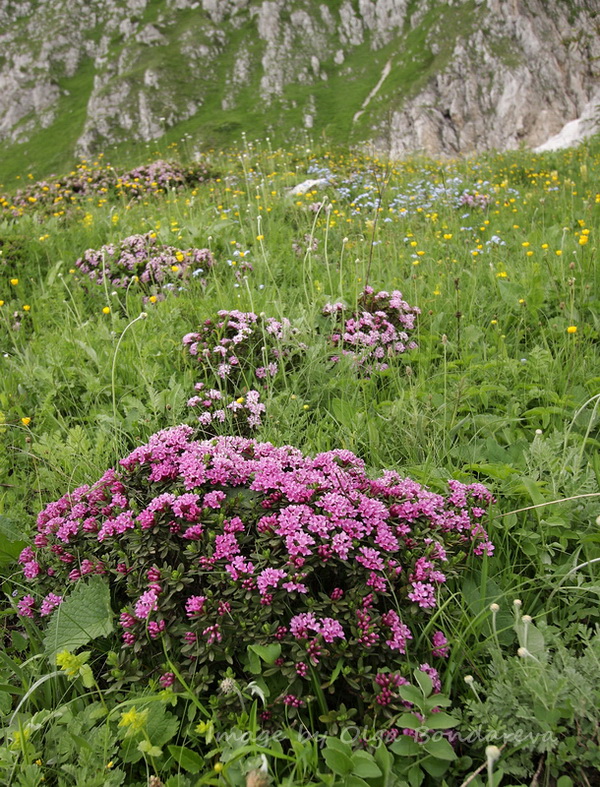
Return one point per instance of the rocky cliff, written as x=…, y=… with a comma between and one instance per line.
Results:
x=443, y=77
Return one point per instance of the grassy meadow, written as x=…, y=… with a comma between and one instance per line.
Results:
x=499, y=254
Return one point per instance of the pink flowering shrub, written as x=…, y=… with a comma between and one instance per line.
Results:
x=59, y=193
x=142, y=258
x=160, y=176
x=378, y=330
x=214, y=547
x=242, y=348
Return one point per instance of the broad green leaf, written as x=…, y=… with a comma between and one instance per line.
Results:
x=338, y=745
x=355, y=781
x=338, y=762
x=186, y=758
x=405, y=746
x=411, y=694
x=435, y=767
x=440, y=748
x=253, y=661
x=415, y=776
x=82, y=617
x=440, y=721
x=364, y=765
x=268, y=653
x=409, y=721
x=383, y=758
x=424, y=682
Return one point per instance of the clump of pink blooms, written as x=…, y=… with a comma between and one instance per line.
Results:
x=59, y=193
x=214, y=545
x=234, y=413
x=474, y=200
x=141, y=258
x=377, y=330
x=242, y=349
x=160, y=176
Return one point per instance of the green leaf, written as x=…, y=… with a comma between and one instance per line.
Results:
x=337, y=761
x=355, y=781
x=338, y=745
x=10, y=529
x=383, y=758
x=440, y=721
x=424, y=682
x=409, y=721
x=161, y=725
x=435, y=767
x=82, y=617
x=364, y=765
x=415, y=776
x=405, y=746
x=268, y=653
x=336, y=671
x=411, y=694
x=186, y=758
x=253, y=661
x=440, y=748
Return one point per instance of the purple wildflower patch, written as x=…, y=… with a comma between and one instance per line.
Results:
x=237, y=543
x=376, y=331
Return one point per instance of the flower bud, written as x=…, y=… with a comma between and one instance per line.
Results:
x=492, y=753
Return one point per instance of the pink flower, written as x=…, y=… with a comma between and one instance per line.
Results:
x=423, y=594
x=269, y=577
x=194, y=606
x=25, y=606
x=50, y=603
x=147, y=603
x=213, y=499
x=439, y=645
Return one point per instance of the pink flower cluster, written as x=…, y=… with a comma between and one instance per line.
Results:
x=161, y=176
x=223, y=543
x=142, y=258
x=376, y=331
x=240, y=348
x=231, y=413
x=474, y=200
x=60, y=193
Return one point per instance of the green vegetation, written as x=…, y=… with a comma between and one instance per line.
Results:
x=500, y=255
